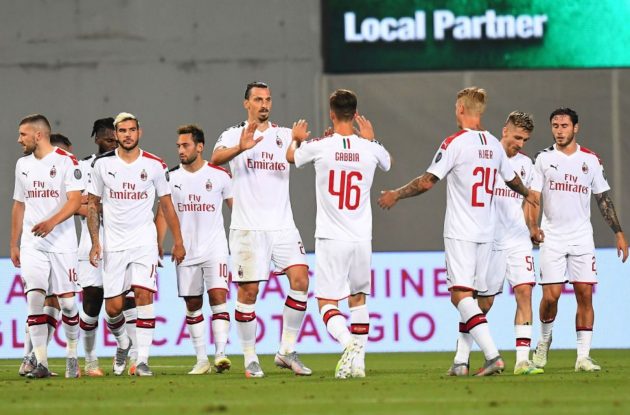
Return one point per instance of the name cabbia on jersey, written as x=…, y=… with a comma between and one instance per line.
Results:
x=42, y=185
x=566, y=183
x=511, y=230
x=470, y=160
x=344, y=170
x=261, y=180
x=127, y=192
x=198, y=200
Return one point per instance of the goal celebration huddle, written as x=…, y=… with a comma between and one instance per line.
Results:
x=500, y=203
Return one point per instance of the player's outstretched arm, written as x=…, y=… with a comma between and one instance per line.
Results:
x=299, y=133
x=607, y=209
x=166, y=205
x=67, y=210
x=517, y=185
x=93, y=219
x=223, y=155
x=17, y=220
x=532, y=216
x=415, y=187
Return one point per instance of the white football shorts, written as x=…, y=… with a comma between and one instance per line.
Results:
x=516, y=265
x=212, y=274
x=124, y=270
x=342, y=268
x=90, y=276
x=568, y=263
x=467, y=264
x=52, y=272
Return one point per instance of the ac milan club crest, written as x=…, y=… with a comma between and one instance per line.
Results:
x=53, y=172
x=584, y=168
x=522, y=172
x=240, y=271
x=279, y=141
x=208, y=185
x=143, y=175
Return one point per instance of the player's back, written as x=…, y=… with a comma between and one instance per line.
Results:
x=470, y=160
x=344, y=168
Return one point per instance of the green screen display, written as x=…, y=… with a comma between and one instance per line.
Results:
x=407, y=35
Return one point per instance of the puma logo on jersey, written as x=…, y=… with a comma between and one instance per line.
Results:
x=113, y=174
x=178, y=186
x=554, y=167
x=25, y=173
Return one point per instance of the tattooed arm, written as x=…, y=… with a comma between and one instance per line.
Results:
x=94, y=224
x=415, y=187
x=606, y=207
x=517, y=185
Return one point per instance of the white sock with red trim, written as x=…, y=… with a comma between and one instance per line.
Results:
x=194, y=322
x=37, y=325
x=477, y=325
x=336, y=324
x=89, y=325
x=131, y=319
x=116, y=326
x=52, y=315
x=220, y=327
x=70, y=323
x=464, y=344
x=145, y=327
x=523, y=334
x=584, y=338
x=292, y=318
x=245, y=316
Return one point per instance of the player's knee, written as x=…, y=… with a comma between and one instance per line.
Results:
x=217, y=296
x=92, y=307
x=193, y=303
x=67, y=304
x=247, y=293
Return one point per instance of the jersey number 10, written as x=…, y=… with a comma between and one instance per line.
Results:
x=485, y=175
x=349, y=194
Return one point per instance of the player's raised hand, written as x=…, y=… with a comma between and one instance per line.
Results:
x=388, y=199
x=622, y=246
x=178, y=254
x=95, y=254
x=300, y=132
x=43, y=228
x=364, y=127
x=247, y=139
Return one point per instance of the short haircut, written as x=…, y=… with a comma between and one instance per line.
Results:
x=565, y=111
x=195, y=131
x=255, y=84
x=102, y=124
x=37, y=119
x=522, y=120
x=125, y=116
x=343, y=103
x=473, y=99
x=56, y=139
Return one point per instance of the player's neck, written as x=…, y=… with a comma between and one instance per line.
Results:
x=343, y=128
x=262, y=126
x=195, y=165
x=128, y=156
x=42, y=150
x=568, y=149
x=471, y=122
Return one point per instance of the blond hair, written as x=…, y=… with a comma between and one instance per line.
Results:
x=473, y=99
x=522, y=120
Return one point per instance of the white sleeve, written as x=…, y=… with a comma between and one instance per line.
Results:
x=382, y=156
x=161, y=181
x=443, y=161
x=505, y=168
x=96, y=185
x=18, y=189
x=530, y=174
x=73, y=179
x=306, y=153
x=537, y=176
x=228, y=138
x=227, y=188
x=600, y=184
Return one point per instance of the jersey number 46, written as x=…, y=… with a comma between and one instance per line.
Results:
x=349, y=194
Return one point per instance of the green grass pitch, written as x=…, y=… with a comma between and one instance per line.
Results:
x=396, y=383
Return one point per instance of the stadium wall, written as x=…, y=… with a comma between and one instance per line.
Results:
x=178, y=62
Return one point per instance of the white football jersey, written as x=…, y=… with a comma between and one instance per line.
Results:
x=470, y=160
x=511, y=230
x=566, y=183
x=261, y=180
x=344, y=170
x=127, y=192
x=42, y=185
x=198, y=200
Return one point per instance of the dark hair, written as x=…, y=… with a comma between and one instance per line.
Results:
x=343, y=103
x=194, y=130
x=56, y=139
x=102, y=124
x=255, y=84
x=34, y=119
x=565, y=111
